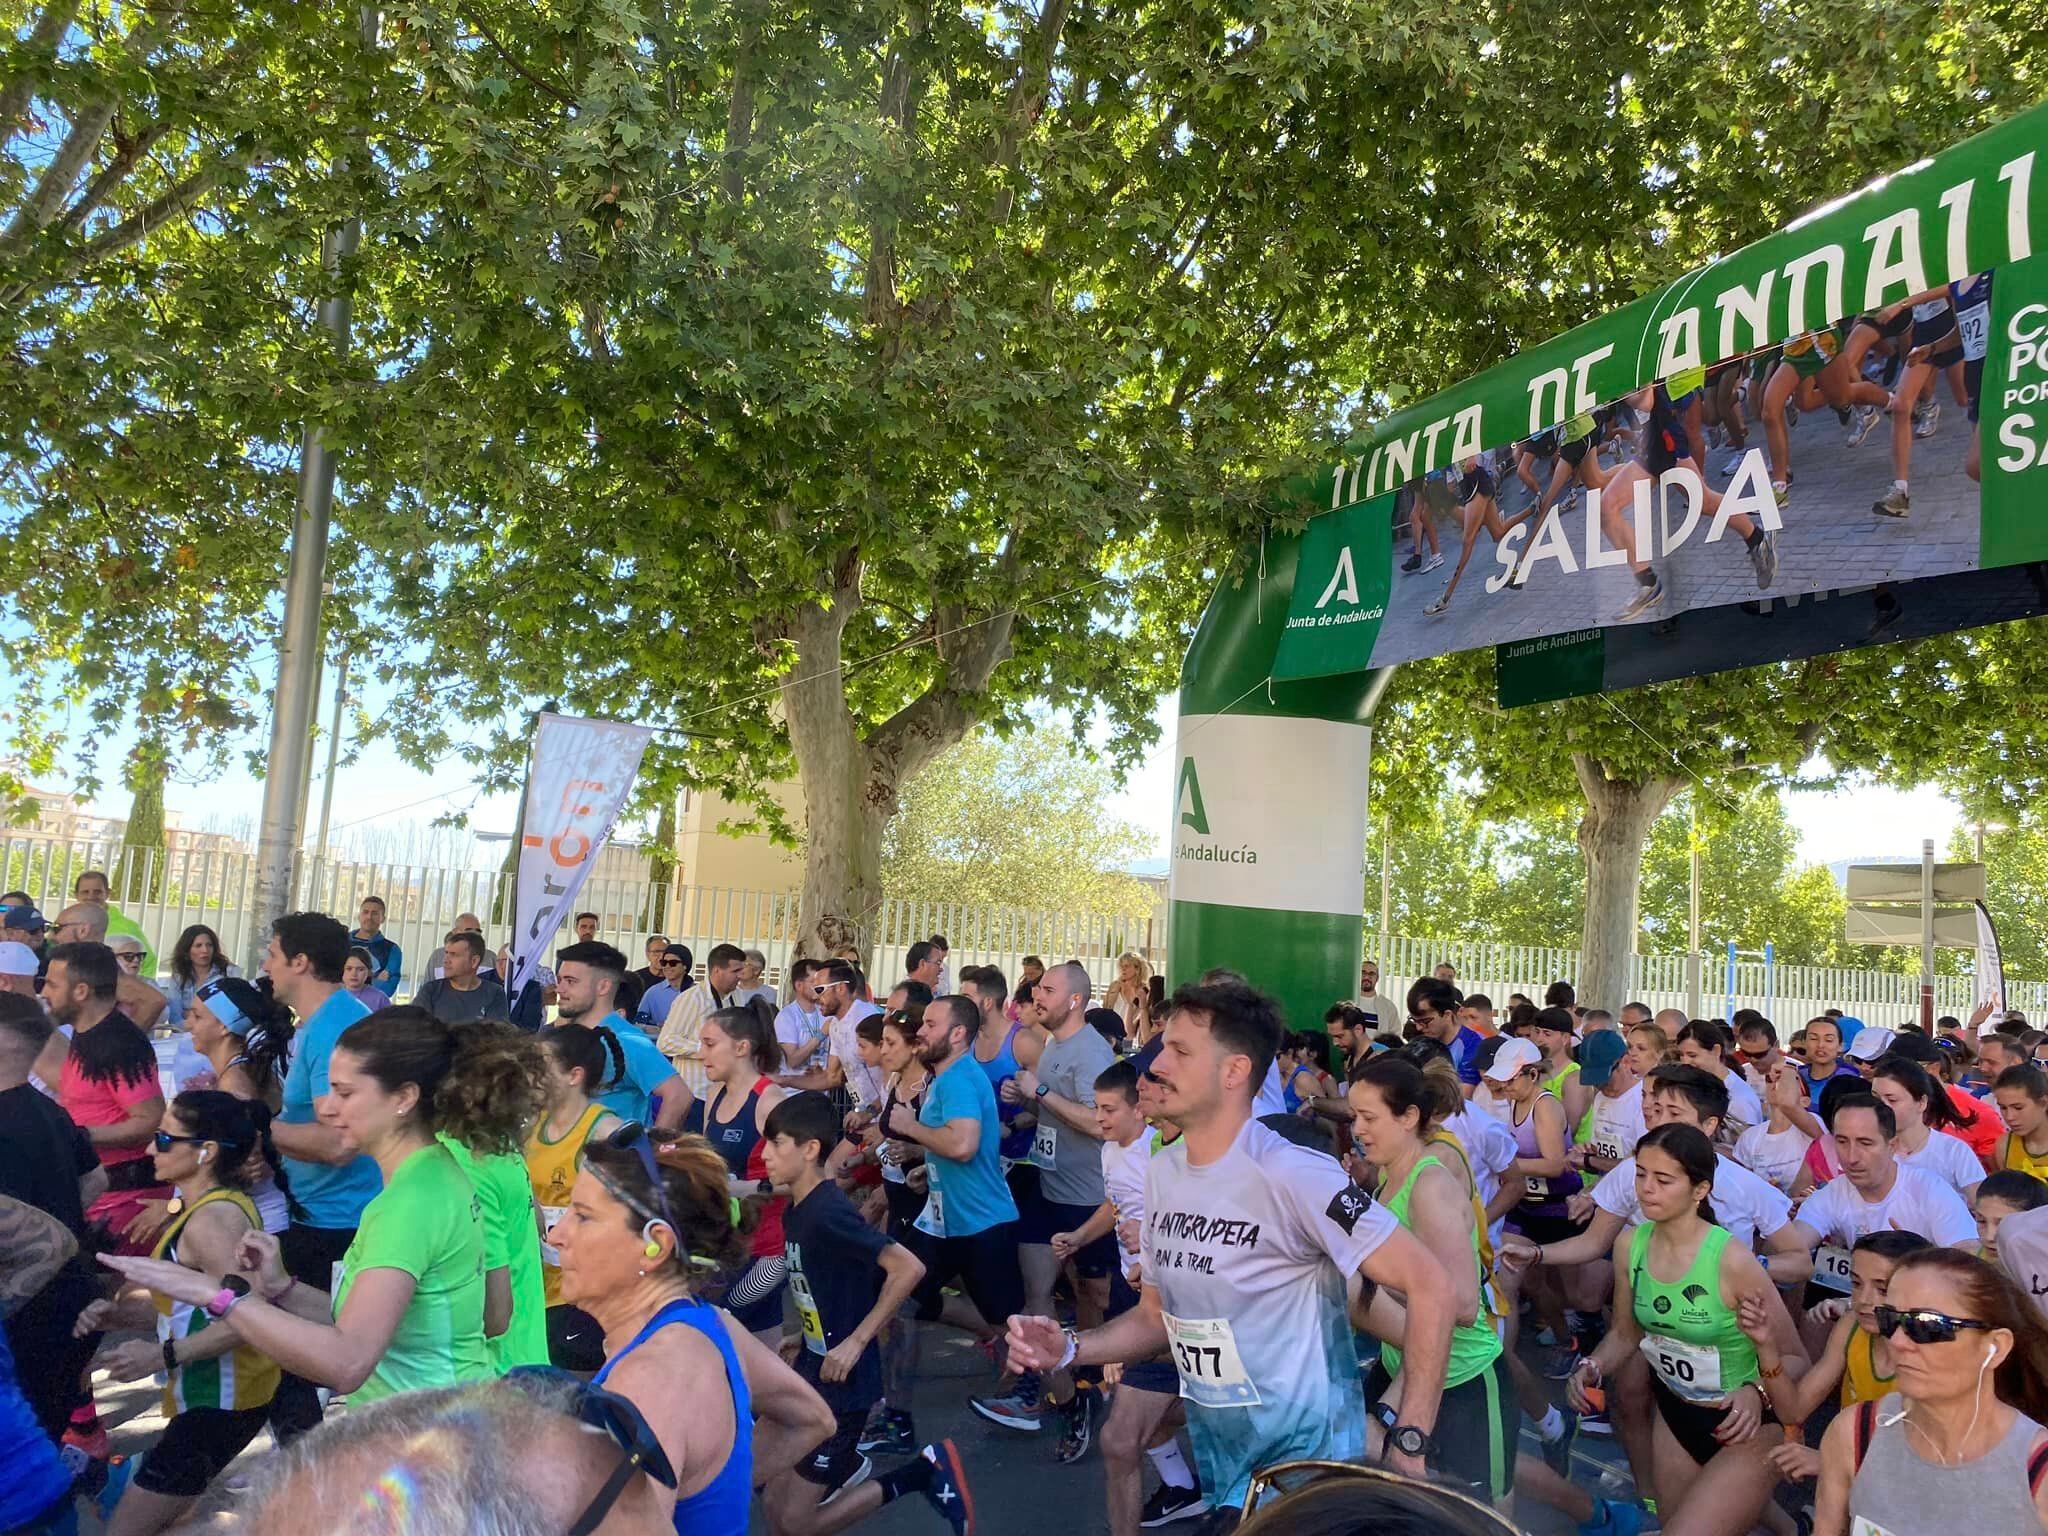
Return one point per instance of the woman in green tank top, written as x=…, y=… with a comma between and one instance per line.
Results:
x=1678, y=1285
x=1392, y=1104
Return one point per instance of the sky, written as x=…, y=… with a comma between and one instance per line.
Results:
x=382, y=807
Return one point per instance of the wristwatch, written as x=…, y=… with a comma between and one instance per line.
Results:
x=1405, y=1438
x=170, y=1358
x=1043, y=1090
x=233, y=1288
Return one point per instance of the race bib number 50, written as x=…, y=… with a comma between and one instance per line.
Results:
x=1211, y=1371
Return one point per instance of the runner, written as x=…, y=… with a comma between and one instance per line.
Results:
x=1875, y=1191
x=1678, y=1283
x=1067, y=1151
x=1854, y=1365
x=217, y=1389
x=736, y=1050
x=642, y=1085
x=1934, y=348
x=1479, y=502
x=1814, y=369
x=1478, y=1420
x=1924, y=1115
x=1971, y=300
x=1412, y=517
x=407, y=1310
x=848, y=1281
x=1249, y=1244
x=1963, y=1437
x=2021, y=1094
x=575, y=1059
x=1824, y=1037
x=2005, y=1193
x=1707, y=1045
x=246, y=1038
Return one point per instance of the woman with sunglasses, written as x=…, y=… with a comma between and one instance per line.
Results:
x=644, y=1221
x=217, y=1387
x=196, y=959
x=1962, y=1439
x=407, y=1310
x=1679, y=1282
x=737, y=1049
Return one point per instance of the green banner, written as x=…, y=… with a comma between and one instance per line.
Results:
x=1340, y=591
x=2014, y=418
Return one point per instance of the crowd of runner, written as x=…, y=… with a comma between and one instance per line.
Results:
x=648, y=1248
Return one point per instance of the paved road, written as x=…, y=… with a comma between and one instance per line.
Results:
x=1018, y=1488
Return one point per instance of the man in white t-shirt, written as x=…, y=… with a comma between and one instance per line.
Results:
x=800, y=1026
x=1876, y=1191
x=1250, y=1247
x=1617, y=1120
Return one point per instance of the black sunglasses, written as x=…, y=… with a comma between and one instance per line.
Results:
x=1924, y=1326
x=612, y=1415
x=633, y=1137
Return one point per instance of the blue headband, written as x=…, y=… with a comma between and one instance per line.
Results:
x=223, y=1007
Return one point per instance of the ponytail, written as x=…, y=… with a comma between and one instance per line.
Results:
x=610, y=1042
x=482, y=1083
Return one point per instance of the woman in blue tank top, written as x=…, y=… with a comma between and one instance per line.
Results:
x=644, y=1221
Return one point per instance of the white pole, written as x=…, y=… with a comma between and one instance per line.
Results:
x=1927, y=934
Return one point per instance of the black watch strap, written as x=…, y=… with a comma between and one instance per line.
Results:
x=170, y=1357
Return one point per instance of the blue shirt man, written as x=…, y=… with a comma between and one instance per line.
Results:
x=332, y=1195
x=971, y=1195
x=386, y=958
x=646, y=1070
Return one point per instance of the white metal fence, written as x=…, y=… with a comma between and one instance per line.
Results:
x=166, y=892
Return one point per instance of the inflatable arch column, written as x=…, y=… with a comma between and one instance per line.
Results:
x=1267, y=872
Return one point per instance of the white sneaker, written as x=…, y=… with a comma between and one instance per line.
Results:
x=1435, y=560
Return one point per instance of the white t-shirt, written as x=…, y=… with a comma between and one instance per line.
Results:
x=1919, y=1201
x=1123, y=1181
x=1749, y=1207
x=795, y=1024
x=1272, y=1097
x=1777, y=1156
x=863, y=1082
x=1617, y=1124
x=1744, y=1107
x=1249, y=1256
x=1489, y=1147
x=1485, y=1099
x=1947, y=1159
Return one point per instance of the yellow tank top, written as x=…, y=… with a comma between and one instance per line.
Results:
x=2017, y=1156
x=1860, y=1381
x=551, y=1169
x=241, y=1378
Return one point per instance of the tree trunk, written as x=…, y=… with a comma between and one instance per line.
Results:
x=140, y=874
x=1612, y=834
x=661, y=865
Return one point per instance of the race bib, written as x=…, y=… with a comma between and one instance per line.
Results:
x=931, y=1221
x=1975, y=326
x=1212, y=1373
x=1692, y=1371
x=1539, y=1187
x=807, y=1310
x=1831, y=1269
x=1863, y=1526
x=549, y=1215
x=1043, y=1140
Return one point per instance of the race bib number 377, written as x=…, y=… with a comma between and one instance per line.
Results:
x=1212, y=1372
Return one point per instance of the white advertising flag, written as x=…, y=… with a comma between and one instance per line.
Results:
x=1990, y=964
x=576, y=785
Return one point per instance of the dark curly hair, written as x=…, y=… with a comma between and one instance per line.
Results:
x=482, y=1082
x=694, y=1177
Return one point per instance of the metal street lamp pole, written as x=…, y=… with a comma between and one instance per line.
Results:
x=298, y=653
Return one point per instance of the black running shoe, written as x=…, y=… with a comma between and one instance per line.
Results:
x=1169, y=1504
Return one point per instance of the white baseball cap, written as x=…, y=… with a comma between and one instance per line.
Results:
x=1871, y=1042
x=17, y=959
x=1513, y=1057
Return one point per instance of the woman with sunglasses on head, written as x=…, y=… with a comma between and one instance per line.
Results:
x=575, y=1060
x=737, y=1050
x=217, y=1387
x=407, y=1310
x=1679, y=1284
x=644, y=1221
x=196, y=959
x=1962, y=1437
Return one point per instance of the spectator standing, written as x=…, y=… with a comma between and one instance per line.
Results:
x=385, y=955
x=355, y=979
x=92, y=887
x=753, y=982
x=196, y=959
x=660, y=996
x=85, y=922
x=465, y=991
x=18, y=968
x=679, y=1031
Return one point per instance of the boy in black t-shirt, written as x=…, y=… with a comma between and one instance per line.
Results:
x=848, y=1280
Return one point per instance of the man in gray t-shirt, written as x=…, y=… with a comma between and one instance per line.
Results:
x=1066, y=1148
x=464, y=991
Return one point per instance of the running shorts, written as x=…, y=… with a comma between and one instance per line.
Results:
x=833, y=1462
x=1038, y=1221
x=1927, y=332
x=905, y=1206
x=1158, y=1374
x=1948, y=356
x=1810, y=353
x=1693, y=1424
x=985, y=1264
x=196, y=1447
x=1478, y=1423
x=1895, y=327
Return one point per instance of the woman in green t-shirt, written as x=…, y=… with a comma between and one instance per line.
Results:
x=407, y=1309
